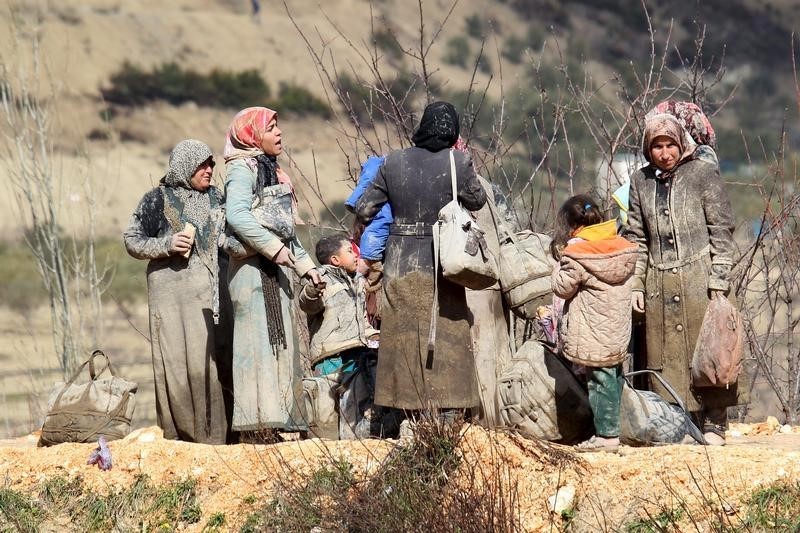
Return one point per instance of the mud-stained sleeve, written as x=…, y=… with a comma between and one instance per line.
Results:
x=373, y=198
x=566, y=279
x=141, y=237
x=636, y=233
x=238, y=201
x=311, y=305
x=302, y=260
x=470, y=191
x=719, y=220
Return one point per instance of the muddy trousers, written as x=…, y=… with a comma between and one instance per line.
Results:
x=605, y=391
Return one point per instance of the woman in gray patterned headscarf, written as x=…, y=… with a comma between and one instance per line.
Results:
x=176, y=226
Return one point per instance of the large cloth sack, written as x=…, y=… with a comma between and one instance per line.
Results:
x=525, y=270
x=525, y=265
x=646, y=418
x=717, y=358
x=460, y=245
x=83, y=412
x=539, y=396
x=319, y=401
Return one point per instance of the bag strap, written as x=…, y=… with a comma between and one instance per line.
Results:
x=92, y=372
x=692, y=429
x=453, y=175
x=79, y=370
x=435, y=304
x=503, y=233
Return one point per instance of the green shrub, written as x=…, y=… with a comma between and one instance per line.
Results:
x=514, y=49
x=457, y=52
x=385, y=41
x=774, y=508
x=484, y=65
x=19, y=512
x=301, y=101
x=133, y=86
x=364, y=103
x=476, y=26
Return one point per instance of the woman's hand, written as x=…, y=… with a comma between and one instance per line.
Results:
x=637, y=301
x=284, y=257
x=713, y=293
x=315, y=278
x=181, y=243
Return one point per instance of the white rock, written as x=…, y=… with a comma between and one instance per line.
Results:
x=786, y=428
x=562, y=500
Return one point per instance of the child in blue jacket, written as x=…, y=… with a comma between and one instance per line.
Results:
x=373, y=237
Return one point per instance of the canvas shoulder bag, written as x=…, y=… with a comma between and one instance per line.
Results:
x=460, y=245
x=82, y=412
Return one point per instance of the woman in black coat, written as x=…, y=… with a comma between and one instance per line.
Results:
x=416, y=182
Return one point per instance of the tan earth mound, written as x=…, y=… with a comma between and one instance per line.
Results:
x=610, y=488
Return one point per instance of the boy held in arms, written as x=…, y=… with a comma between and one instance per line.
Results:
x=341, y=338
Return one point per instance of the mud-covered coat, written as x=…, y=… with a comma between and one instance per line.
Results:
x=337, y=319
x=191, y=354
x=683, y=228
x=595, y=278
x=416, y=182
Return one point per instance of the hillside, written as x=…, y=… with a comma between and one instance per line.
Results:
x=308, y=485
x=84, y=43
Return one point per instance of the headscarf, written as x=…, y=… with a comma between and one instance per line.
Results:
x=666, y=125
x=438, y=128
x=246, y=132
x=691, y=117
x=243, y=141
x=184, y=204
x=186, y=157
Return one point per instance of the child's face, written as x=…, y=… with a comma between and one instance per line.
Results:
x=345, y=258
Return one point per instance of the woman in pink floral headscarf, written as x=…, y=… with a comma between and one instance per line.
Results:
x=267, y=375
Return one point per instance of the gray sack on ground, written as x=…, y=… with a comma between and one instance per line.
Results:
x=319, y=404
x=539, y=396
x=82, y=412
x=646, y=418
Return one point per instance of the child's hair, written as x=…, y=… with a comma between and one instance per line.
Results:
x=580, y=210
x=328, y=246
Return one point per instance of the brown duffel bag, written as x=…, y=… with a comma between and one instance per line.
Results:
x=83, y=412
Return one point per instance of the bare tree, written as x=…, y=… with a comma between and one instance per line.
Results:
x=67, y=264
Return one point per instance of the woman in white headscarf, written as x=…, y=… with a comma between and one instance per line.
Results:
x=190, y=329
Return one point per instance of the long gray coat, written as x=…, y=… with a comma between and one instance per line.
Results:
x=191, y=355
x=683, y=226
x=416, y=183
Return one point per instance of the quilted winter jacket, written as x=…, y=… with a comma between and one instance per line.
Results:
x=337, y=317
x=595, y=278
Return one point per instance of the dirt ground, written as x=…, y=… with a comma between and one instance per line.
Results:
x=611, y=489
